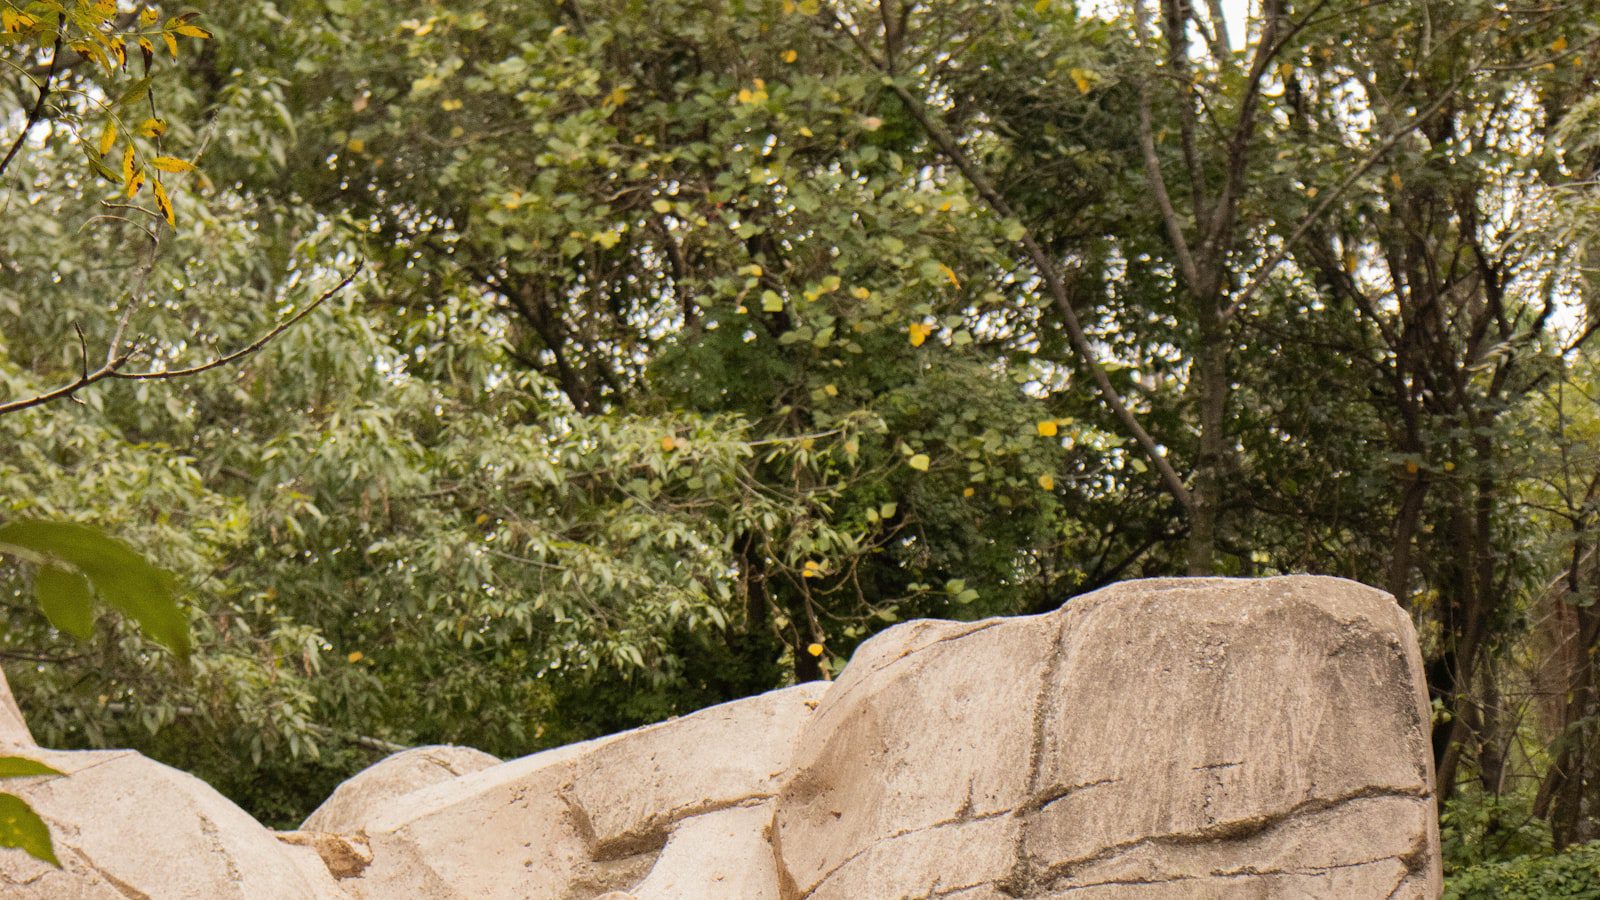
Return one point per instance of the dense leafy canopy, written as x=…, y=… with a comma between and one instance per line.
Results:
x=693, y=342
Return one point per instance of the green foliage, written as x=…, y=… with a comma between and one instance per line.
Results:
x=22, y=828
x=1572, y=873
x=72, y=558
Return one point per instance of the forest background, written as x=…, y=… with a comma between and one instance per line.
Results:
x=564, y=366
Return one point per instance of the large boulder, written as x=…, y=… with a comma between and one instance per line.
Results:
x=1170, y=738
x=1157, y=739
x=583, y=820
x=126, y=826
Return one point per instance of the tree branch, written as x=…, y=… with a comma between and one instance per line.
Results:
x=38, y=105
x=1311, y=218
x=115, y=362
x=1041, y=260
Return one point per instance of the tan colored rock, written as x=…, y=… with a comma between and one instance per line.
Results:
x=935, y=731
x=1179, y=737
x=722, y=855
x=126, y=826
x=389, y=779
x=1205, y=738
x=1216, y=725
x=13, y=728
x=582, y=820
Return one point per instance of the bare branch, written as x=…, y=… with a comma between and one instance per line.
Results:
x=1310, y=219
x=38, y=105
x=117, y=361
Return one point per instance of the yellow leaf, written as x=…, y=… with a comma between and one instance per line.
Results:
x=771, y=302
x=1412, y=467
x=790, y=56
x=920, y=462
x=1311, y=192
x=148, y=48
x=172, y=43
x=661, y=206
x=119, y=49
x=831, y=390
x=108, y=137
x=1041, y=6
x=136, y=182
x=10, y=22
x=356, y=656
x=806, y=132
x=812, y=570
x=1449, y=467
x=816, y=649
x=968, y=492
x=753, y=270
x=788, y=7
x=1081, y=78
x=617, y=97
x=1047, y=428
x=919, y=333
x=148, y=17
x=860, y=293
x=450, y=105
x=482, y=518
x=950, y=274
x=1559, y=44
x=356, y=145
x=127, y=167
x=194, y=31
x=1397, y=181
x=152, y=127
x=163, y=202
x=669, y=443
x=1046, y=482
x=607, y=239
x=809, y=7
x=871, y=123
x=172, y=164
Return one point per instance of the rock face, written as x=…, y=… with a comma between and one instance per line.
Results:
x=1183, y=738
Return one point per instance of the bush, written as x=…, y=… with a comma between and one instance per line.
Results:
x=1573, y=873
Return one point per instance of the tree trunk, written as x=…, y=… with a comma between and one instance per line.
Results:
x=1210, y=386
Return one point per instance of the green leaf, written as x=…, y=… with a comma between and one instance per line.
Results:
x=22, y=828
x=137, y=91
x=65, y=599
x=22, y=767
x=122, y=577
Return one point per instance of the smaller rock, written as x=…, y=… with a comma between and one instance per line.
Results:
x=349, y=807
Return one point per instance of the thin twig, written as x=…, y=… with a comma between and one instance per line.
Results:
x=38, y=105
x=116, y=361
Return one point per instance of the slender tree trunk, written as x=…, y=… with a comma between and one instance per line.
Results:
x=1210, y=385
x=1404, y=534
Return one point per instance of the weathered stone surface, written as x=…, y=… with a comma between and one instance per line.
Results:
x=1203, y=738
x=126, y=826
x=583, y=820
x=1200, y=733
x=389, y=779
x=934, y=732
x=723, y=855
